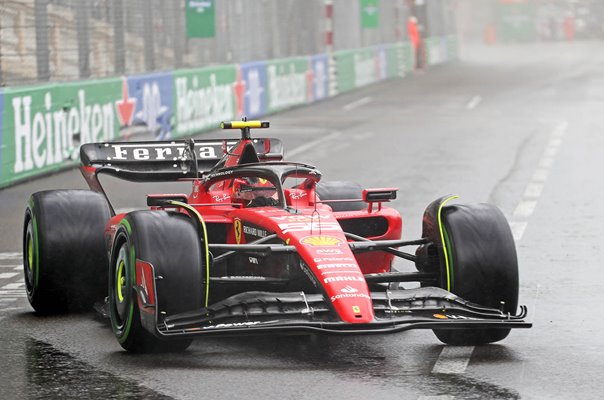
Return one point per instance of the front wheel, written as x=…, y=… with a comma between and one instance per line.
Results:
x=169, y=242
x=476, y=260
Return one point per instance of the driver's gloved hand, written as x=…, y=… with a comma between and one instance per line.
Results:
x=262, y=201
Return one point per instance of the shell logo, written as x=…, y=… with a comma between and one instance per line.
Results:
x=322, y=241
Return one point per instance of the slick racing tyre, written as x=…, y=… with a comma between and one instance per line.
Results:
x=170, y=243
x=64, y=256
x=341, y=190
x=482, y=266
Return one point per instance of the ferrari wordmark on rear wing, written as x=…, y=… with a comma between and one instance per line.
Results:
x=167, y=160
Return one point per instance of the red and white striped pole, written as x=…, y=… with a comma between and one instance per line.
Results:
x=331, y=62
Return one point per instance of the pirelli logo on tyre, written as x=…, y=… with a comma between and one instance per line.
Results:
x=322, y=241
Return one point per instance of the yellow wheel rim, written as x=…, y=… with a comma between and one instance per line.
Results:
x=120, y=281
x=30, y=252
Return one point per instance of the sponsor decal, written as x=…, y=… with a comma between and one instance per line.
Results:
x=153, y=96
x=254, y=94
x=300, y=218
x=221, y=197
x=332, y=259
x=356, y=309
x=125, y=106
x=50, y=125
x=451, y=316
x=344, y=279
x=238, y=230
x=332, y=251
x=309, y=226
x=320, y=79
x=322, y=241
x=327, y=266
x=233, y=325
x=287, y=84
x=203, y=98
x=255, y=231
x=253, y=260
x=217, y=175
x=157, y=152
x=349, y=296
x=348, y=289
x=297, y=195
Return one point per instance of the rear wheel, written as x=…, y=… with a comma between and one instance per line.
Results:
x=169, y=242
x=477, y=262
x=64, y=257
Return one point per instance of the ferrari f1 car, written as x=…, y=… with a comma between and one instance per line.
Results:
x=261, y=245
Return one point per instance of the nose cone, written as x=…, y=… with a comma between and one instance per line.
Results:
x=335, y=267
x=349, y=295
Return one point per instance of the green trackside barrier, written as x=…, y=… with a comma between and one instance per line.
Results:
x=203, y=97
x=356, y=68
x=288, y=83
x=365, y=66
x=44, y=125
x=453, y=47
x=344, y=70
x=400, y=59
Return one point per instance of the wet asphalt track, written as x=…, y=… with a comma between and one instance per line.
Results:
x=520, y=127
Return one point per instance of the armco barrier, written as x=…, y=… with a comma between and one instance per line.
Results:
x=42, y=126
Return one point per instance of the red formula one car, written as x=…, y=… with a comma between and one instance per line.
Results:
x=259, y=246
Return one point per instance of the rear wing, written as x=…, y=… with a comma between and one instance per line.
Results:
x=163, y=161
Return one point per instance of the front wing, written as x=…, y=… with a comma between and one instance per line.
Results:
x=254, y=313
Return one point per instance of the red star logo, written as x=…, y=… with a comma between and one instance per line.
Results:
x=239, y=91
x=125, y=106
x=310, y=77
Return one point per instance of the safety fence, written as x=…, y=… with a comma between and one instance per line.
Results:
x=43, y=126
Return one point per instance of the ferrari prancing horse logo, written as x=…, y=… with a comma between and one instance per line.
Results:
x=238, y=230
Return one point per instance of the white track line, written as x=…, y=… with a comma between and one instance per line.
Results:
x=524, y=209
x=357, y=103
x=13, y=286
x=534, y=189
x=10, y=256
x=11, y=266
x=518, y=229
x=313, y=144
x=453, y=360
x=474, y=102
x=8, y=275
